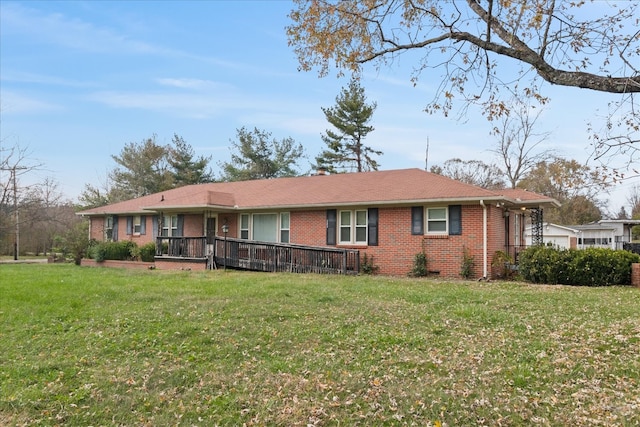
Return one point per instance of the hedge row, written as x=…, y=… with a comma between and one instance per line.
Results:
x=586, y=267
x=122, y=251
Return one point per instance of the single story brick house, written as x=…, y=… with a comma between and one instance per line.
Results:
x=390, y=216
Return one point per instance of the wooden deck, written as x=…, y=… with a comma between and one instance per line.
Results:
x=266, y=256
x=260, y=256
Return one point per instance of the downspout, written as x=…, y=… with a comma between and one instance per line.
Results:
x=484, y=240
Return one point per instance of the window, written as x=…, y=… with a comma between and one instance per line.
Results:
x=417, y=218
x=285, y=220
x=108, y=228
x=345, y=227
x=353, y=226
x=331, y=226
x=136, y=225
x=441, y=220
x=267, y=227
x=361, y=226
x=244, y=226
x=170, y=226
x=436, y=220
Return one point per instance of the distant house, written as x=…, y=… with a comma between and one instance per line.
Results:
x=388, y=215
x=606, y=233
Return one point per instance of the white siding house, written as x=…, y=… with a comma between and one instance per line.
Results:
x=555, y=235
x=606, y=233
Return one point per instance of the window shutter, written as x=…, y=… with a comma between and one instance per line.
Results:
x=332, y=216
x=114, y=233
x=129, y=225
x=417, y=220
x=155, y=221
x=143, y=225
x=372, y=227
x=180, y=225
x=455, y=220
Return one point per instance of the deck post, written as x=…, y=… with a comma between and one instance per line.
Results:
x=225, y=230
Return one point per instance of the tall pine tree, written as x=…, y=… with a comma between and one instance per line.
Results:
x=345, y=147
x=186, y=169
x=257, y=155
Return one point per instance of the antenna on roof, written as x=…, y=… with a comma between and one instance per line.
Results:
x=426, y=157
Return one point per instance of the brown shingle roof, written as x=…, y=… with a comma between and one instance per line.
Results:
x=402, y=186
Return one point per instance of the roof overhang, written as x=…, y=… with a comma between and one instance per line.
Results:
x=109, y=213
x=500, y=201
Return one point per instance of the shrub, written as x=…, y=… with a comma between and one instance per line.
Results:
x=504, y=262
x=148, y=252
x=120, y=251
x=588, y=267
x=466, y=268
x=367, y=266
x=419, y=265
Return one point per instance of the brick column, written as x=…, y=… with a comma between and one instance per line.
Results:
x=635, y=275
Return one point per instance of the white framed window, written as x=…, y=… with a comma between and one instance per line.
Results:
x=285, y=224
x=244, y=226
x=345, y=226
x=170, y=226
x=266, y=227
x=437, y=219
x=353, y=227
x=137, y=225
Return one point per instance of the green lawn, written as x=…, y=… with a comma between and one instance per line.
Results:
x=103, y=347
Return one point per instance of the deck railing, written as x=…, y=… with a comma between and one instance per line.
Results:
x=632, y=247
x=261, y=256
x=265, y=256
x=181, y=247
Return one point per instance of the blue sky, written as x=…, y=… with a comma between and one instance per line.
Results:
x=79, y=80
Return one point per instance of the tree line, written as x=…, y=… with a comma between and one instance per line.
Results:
x=47, y=220
x=469, y=44
x=149, y=167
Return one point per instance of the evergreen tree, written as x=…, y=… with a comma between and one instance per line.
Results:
x=187, y=170
x=143, y=170
x=350, y=117
x=257, y=156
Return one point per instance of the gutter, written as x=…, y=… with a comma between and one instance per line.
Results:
x=484, y=240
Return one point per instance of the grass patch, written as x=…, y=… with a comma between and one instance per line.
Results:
x=91, y=346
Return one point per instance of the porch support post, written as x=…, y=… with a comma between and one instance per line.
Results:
x=536, y=227
x=485, y=273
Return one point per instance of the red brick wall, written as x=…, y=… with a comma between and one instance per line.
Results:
x=139, y=239
x=233, y=221
x=397, y=247
x=180, y=264
x=117, y=264
x=308, y=228
x=635, y=275
x=193, y=225
x=496, y=237
x=573, y=242
x=96, y=228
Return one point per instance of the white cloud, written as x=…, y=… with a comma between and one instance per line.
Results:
x=42, y=79
x=185, y=83
x=14, y=103
x=57, y=29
